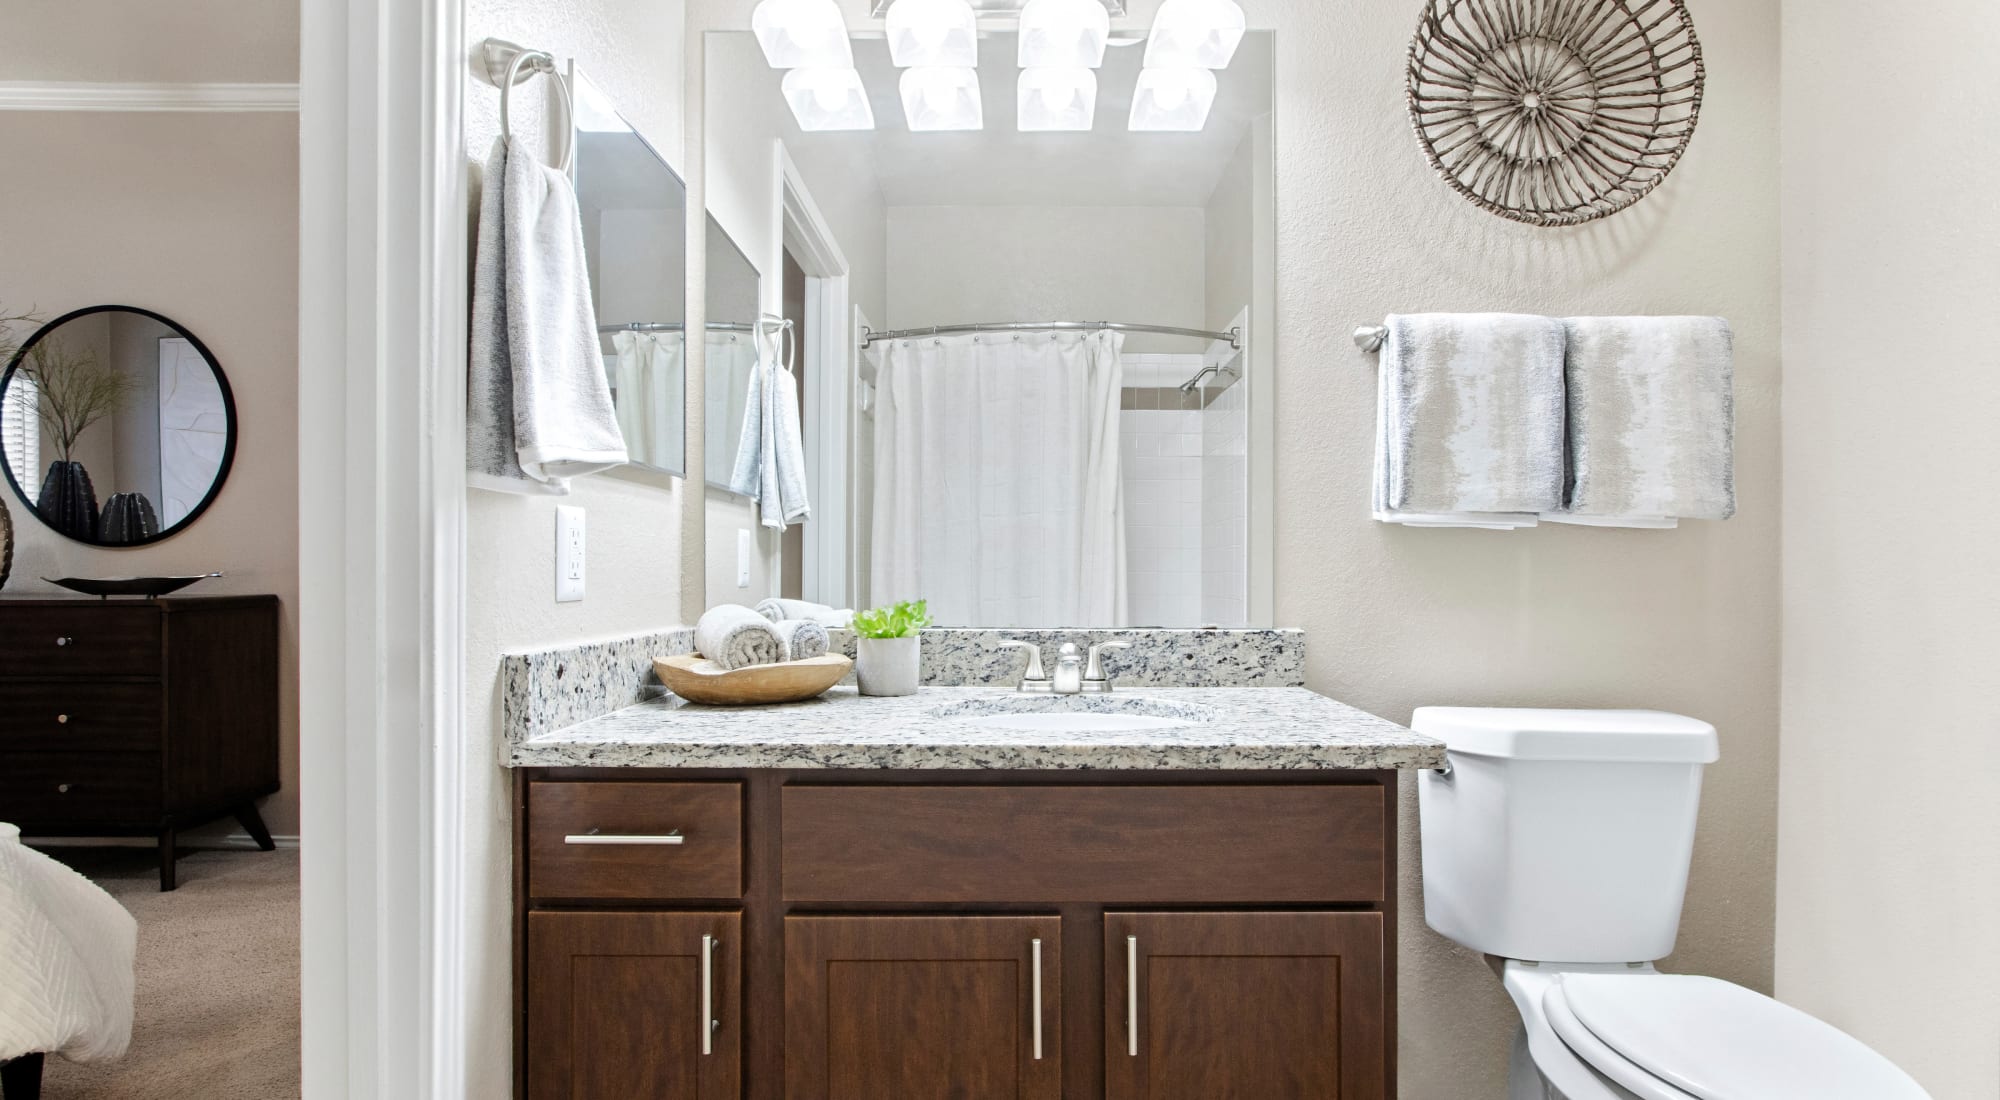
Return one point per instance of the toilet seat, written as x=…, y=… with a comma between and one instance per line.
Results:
x=1686, y=1037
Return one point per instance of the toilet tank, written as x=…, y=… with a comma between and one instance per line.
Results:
x=1560, y=835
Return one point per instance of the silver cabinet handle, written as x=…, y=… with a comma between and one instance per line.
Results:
x=62, y=719
x=1035, y=945
x=1132, y=996
x=62, y=788
x=64, y=640
x=708, y=1021
x=624, y=838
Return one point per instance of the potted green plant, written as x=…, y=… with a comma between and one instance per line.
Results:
x=886, y=648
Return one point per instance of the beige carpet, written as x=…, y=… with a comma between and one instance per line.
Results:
x=218, y=1007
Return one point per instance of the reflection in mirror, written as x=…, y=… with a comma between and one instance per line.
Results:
x=1049, y=424
x=733, y=308
x=117, y=424
x=634, y=212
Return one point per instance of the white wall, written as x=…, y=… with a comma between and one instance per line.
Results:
x=962, y=264
x=211, y=240
x=631, y=49
x=1889, y=805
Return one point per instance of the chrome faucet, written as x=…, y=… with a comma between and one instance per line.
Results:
x=1033, y=679
x=1094, y=679
x=1069, y=671
x=1075, y=673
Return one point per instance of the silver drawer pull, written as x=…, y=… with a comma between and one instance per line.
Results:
x=624, y=838
x=62, y=788
x=1036, y=993
x=1132, y=996
x=708, y=1021
x=64, y=640
x=62, y=719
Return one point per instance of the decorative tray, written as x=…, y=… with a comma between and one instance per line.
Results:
x=700, y=680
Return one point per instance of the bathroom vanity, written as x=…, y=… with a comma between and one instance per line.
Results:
x=968, y=892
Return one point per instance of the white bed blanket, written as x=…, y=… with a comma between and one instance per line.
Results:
x=66, y=950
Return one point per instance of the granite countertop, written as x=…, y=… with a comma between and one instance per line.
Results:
x=1243, y=728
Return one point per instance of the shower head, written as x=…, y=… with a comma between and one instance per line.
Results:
x=1194, y=383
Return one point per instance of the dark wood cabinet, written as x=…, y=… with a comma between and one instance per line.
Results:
x=964, y=1006
x=960, y=935
x=634, y=1006
x=1204, y=1005
x=138, y=718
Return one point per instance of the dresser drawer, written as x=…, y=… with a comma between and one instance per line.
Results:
x=1123, y=844
x=87, y=640
x=44, y=791
x=634, y=840
x=64, y=716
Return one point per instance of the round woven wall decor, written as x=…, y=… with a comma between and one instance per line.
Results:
x=1554, y=112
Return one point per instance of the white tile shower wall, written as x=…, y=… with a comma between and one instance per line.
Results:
x=1225, y=492
x=1161, y=463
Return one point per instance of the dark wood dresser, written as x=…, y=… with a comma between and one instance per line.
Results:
x=138, y=717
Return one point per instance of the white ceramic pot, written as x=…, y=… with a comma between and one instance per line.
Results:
x=887, y=666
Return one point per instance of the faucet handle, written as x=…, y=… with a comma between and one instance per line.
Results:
x=1095, y=673
x=1033, y=679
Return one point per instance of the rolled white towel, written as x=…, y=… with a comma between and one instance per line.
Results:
x=778, y=610
x=803, y=638
x=734, y=636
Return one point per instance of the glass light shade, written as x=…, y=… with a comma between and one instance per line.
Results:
x=799, y=34
x=1172, y=99
x=1199, y=34
x=1060, y=34
x=1056, y=99
x=936, y=97
x=828, y=99
x=933, y=32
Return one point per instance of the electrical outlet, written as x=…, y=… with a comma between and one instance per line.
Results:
x=569, y=553
x=746, y=545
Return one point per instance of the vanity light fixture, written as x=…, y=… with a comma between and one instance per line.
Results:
x=937, y=97
x=1198, y=34
x=1063, y=34
x=800, y=34
x=1172, y=99
x=1056, y=98
x=828, y=98
x=933, y=32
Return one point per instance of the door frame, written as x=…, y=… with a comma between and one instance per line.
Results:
x=383, y=187
x=804, y=232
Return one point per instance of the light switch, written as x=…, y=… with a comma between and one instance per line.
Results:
x=746, y=545
x=569, y=553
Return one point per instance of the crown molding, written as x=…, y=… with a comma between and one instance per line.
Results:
x=79, y=95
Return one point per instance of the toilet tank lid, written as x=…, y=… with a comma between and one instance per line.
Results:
x=1527, y=733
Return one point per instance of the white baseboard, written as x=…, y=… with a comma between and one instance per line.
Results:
x=77, y=95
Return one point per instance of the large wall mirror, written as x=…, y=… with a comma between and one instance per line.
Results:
x=1052, y=417
x=634, y=212
x=117, y=425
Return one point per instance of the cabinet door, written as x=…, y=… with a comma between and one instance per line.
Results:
x=966, y=1007
x=633, y=1006
x=1206, y=1005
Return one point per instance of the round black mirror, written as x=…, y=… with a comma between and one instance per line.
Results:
x=117, y=426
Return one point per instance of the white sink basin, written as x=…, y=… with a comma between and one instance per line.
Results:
x=1076, y=713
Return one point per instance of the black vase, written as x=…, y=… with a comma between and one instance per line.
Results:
x=127, y=518
x=67, y=501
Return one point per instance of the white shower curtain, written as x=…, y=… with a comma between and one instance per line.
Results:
x=647, y=376
x=997, y=493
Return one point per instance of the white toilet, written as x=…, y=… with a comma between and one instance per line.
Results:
x=1559, y=840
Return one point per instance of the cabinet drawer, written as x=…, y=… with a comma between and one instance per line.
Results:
x=1124, y=844
x=63, y=716
x=89, y=640
x=44, y=791
x=635, y=840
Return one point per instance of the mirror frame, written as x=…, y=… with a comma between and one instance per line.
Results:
x=228, y=404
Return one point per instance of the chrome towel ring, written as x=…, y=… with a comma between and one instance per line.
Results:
x=508, y=64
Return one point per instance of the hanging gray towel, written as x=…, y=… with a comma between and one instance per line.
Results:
x=770, y=452
x=539, y=408
x=1469, y=422
x=1651, y=421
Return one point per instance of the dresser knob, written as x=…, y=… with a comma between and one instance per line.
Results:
x=64, y=640
x=62, y=788
x=62, y=719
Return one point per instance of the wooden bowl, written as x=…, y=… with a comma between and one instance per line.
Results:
x=700, y=680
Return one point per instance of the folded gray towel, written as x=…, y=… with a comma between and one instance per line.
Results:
x=539, y=406
x=803, y=638
x=1469, y=422
x=734, y=636
x=778, y=610
x=1651, y=420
